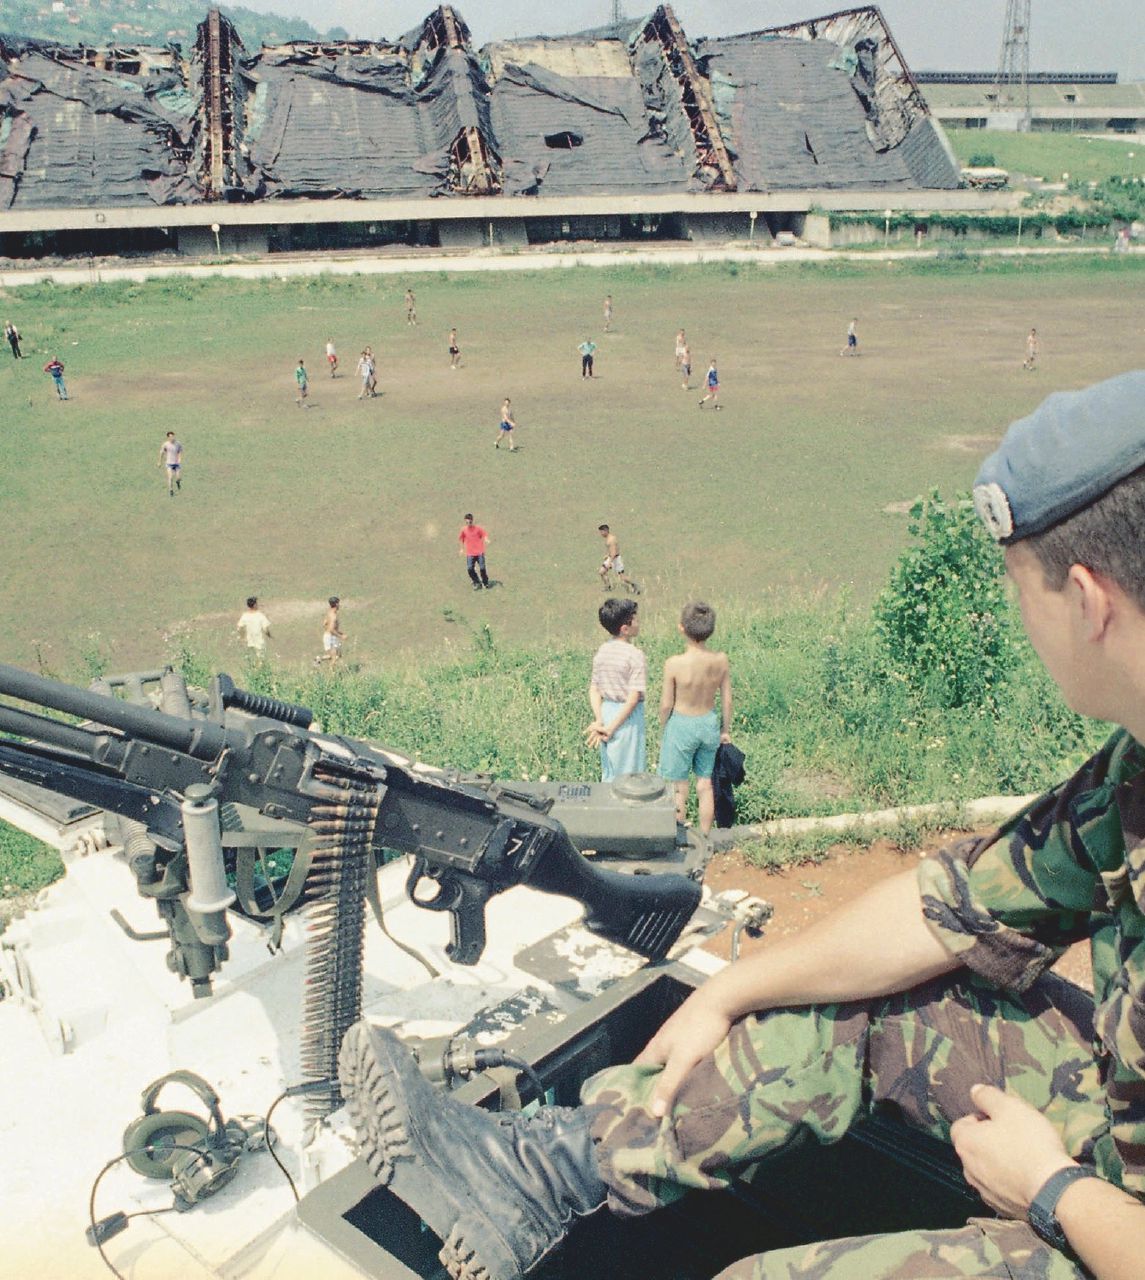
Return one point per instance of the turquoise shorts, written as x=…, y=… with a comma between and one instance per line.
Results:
x=689, y=746
x=624, y=751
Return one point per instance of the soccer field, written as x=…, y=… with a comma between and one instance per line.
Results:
x=798, y=484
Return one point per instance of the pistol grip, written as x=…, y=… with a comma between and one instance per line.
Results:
x=464, y=897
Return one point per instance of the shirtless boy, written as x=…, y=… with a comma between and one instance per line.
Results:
x=454, y=350
x=411, y=308
x=692, y=729
x=332, y=633
x=505, y=430
x=171, y=457
x=613, y=563
x=1031, y=360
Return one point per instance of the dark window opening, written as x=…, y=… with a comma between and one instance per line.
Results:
x=563, y=141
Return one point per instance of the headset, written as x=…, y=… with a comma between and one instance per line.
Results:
x=199, y=1156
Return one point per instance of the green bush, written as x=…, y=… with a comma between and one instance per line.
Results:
x=943, y=619
x=982, y=160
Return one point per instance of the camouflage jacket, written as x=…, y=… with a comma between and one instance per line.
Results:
x=1070, y=866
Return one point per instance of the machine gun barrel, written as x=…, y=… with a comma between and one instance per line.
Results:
x=26, y=724
x=200, y=739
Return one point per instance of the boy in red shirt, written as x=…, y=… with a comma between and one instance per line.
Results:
x=474, y=540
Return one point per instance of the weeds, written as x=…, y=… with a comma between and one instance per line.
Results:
x=811, y=847
x=26, y=864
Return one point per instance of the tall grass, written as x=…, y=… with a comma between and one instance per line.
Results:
x=826, y=723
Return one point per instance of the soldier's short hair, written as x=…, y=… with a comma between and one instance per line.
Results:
x=698, y=620
x=1104, y=537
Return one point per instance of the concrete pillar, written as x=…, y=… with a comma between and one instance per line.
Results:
x=816, y=230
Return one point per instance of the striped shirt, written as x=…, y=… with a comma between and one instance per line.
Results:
x=618, y=669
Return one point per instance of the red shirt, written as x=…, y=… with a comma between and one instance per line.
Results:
x=472, y=537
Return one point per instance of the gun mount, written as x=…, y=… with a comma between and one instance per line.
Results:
x=238, y=803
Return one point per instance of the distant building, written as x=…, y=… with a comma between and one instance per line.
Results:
x=625, y=133
x=1060, y=102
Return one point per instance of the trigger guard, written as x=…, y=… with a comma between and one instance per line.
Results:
x=448, y=897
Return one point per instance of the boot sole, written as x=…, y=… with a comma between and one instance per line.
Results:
x=376, y=1071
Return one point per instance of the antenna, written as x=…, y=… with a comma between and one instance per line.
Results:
x=1012, y=86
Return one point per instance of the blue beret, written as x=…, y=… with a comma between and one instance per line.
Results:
x=1073, y=448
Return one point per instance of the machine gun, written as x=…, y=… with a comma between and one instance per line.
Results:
x=182, y=778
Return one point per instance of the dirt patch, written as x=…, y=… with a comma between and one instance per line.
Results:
x=806, y=892
x=977, y=445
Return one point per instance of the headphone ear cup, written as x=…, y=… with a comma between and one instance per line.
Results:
x=153, y=1140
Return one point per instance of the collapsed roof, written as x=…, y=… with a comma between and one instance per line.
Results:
x=827, y=103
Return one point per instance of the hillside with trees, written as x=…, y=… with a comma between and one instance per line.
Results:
x=145, y=22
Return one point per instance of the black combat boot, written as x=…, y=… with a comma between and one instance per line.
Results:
x=500, y=1188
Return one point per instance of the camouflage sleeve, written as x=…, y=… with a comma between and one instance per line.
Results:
x=967, y=927
x=1009, y=903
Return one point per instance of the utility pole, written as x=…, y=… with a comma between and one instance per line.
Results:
x=617, y=13
x=1012, y=86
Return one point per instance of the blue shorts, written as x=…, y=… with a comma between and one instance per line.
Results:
x=624, y=751
x=689, y=746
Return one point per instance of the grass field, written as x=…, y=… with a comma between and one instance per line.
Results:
x=797, y=486
x=1050, y=155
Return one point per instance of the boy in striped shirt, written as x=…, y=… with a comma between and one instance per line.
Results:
x=616, y=693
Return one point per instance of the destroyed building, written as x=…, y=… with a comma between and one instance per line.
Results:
x=427, y=138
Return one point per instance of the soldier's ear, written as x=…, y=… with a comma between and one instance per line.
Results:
x=1096, y=598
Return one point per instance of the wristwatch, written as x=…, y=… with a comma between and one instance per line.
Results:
x=1042, y=1215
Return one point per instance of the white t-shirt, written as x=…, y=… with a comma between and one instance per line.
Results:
x=256, y=627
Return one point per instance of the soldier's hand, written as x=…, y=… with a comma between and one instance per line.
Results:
x=1008, y=1149
x=689, y=1035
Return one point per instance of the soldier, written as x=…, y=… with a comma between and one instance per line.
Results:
x=929, y=991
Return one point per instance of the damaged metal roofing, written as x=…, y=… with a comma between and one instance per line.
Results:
x=825, y=103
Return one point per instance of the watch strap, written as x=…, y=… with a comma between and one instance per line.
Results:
x=1042, y=1213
